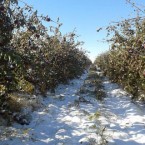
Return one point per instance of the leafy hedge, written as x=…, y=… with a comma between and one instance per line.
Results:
x=124, y=63
x=33, y=57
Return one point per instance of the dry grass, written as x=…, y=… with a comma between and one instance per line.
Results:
x=18, y=102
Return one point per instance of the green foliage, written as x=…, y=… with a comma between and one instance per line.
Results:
x=33, y=56
x=125, y=63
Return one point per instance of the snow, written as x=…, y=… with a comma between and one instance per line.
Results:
x=126, y=123
x=61, y=120
x=66, y=118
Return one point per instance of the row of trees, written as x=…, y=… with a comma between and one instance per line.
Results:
x=124, y=63
x=33, y=57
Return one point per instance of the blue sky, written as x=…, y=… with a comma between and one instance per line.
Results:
x=86, y=16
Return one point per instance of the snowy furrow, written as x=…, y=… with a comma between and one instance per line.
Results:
x=63, y=121
x=125, y=121
x=71, y=118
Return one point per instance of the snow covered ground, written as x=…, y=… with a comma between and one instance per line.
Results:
x=69, y=118
x=124, y=120
x=64, y=120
